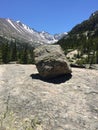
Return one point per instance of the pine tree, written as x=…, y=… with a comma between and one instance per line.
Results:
x=97, y=57
x=0, y=54
x=13, y=52
x=5, y=53
x=24, y=56
x=31, y=56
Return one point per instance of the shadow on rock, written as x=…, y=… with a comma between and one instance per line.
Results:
x=56, y=80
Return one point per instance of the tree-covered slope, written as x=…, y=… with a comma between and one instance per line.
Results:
x=83, y=38
x=14, y=51
x=88, y=25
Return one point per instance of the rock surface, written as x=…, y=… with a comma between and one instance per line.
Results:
x=64, y=103
x=50, y=61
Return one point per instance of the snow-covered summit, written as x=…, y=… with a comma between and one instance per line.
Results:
x=20, y=31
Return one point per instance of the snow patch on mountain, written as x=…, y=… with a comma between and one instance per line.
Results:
x=20, y=31
x=44, y=35
x=59, y=36
x=10, y=22
x=27, y=28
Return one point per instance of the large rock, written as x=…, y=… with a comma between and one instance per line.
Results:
x=50, y=61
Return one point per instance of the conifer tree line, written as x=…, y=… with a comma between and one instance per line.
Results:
x=85, y=44
x=84, y=38
x=14, y=52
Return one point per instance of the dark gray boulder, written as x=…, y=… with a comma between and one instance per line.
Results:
x=50, y=61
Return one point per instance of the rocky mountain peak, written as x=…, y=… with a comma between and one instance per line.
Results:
x=18, y=30
x=94, y=14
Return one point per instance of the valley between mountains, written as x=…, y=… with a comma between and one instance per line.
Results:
x=29, y=102
x=64, y=103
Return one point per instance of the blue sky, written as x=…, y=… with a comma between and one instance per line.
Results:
x=53, y=16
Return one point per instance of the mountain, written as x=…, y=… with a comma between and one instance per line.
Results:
x=82, y=40
x=59, y=36
x=88, y=25
x=16, y=30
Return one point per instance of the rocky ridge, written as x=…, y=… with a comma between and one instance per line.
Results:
x=17, y=30
x=64, y=103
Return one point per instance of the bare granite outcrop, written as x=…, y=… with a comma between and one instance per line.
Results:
x=27, y=102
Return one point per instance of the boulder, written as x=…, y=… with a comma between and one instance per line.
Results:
x=51, y=61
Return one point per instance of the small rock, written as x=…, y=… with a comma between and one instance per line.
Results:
x=50, y=61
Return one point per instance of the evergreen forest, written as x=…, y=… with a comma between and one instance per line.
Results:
x=83, y=38
x=15, y=52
